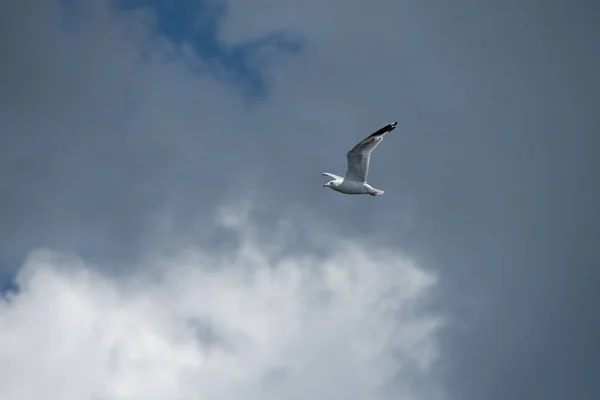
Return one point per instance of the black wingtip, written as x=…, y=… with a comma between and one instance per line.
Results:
x=385, y=129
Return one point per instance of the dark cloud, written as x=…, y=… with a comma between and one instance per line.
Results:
x=490, y=178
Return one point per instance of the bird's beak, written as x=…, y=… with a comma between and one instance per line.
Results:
x=324, y=185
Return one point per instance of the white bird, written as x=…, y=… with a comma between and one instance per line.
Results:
x=355, y=181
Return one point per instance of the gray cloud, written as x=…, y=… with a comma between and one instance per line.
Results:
x=490, y=177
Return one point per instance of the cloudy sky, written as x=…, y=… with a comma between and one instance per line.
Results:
x=164, y=232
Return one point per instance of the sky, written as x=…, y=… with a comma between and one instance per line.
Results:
x=164, y=232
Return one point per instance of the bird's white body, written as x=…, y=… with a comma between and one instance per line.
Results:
x=355, y=181
x=339, y=184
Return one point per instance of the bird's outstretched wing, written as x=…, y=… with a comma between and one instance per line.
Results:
x=360, y=155
x=332, y=175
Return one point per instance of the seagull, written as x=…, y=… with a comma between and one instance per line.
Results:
x=355, y=181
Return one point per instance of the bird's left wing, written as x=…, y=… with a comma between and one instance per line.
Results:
x=360, y=156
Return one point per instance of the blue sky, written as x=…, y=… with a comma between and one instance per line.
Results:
x=195, y=23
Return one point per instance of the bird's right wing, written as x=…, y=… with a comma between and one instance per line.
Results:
x=332, y=175
x=359, y=157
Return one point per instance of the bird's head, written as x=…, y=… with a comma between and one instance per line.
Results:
x=330, y=184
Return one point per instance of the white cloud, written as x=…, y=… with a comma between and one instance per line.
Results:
x=234, y=326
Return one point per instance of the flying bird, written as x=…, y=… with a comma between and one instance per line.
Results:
x=355, y=181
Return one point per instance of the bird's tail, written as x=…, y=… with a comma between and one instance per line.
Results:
x=376, y=192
